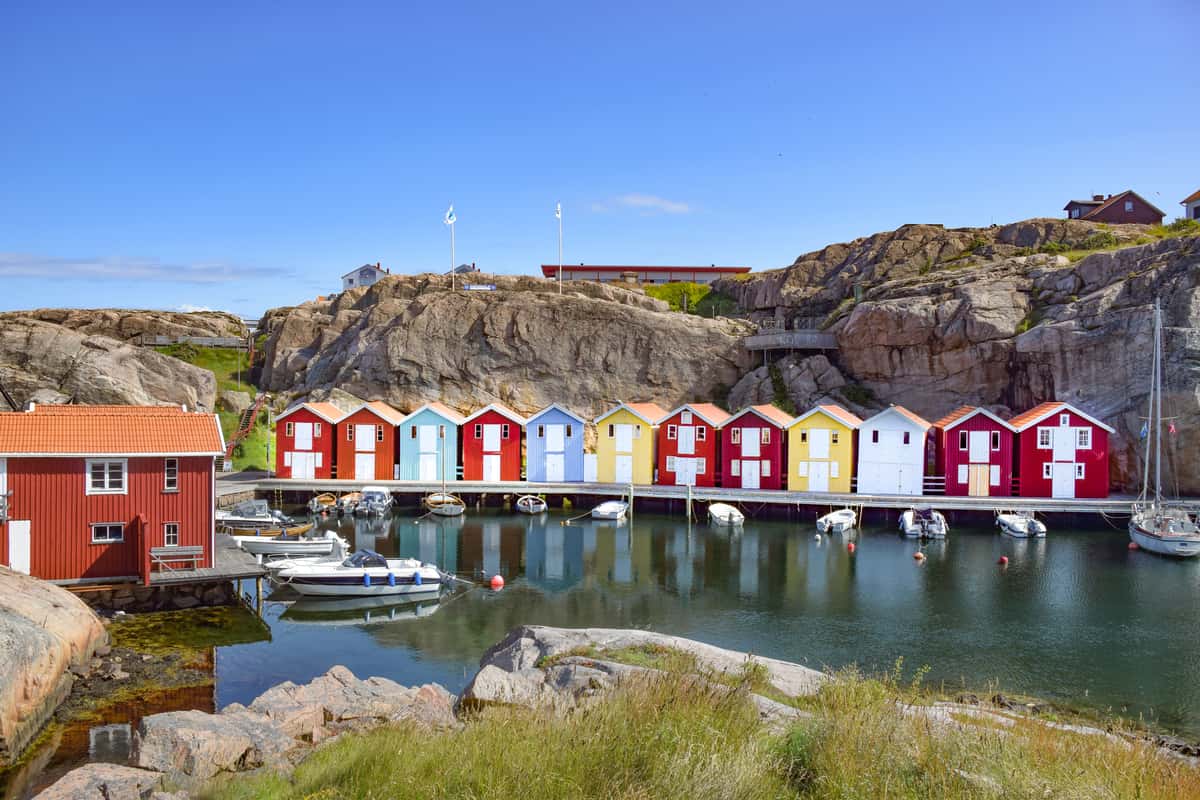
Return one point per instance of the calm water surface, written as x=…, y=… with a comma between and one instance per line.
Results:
x=1075, y=618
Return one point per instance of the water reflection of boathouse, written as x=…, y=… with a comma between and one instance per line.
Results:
x=553, y=556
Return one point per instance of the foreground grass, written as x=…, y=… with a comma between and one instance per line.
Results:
x=672, y=738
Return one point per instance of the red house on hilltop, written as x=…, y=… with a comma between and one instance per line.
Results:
x=304, y=437
x=491, y=442
x=1061, y=452
x=752, y=448
x=1126, y=207
x=687, y=445
x=86, y=492
x=975, y=453
x=366, y=443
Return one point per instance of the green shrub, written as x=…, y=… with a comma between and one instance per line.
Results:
x=858, y=394
x=780, y=394
x=694, y=298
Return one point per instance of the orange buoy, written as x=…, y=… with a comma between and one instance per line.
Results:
x=850, y=547
x=497, y=582
x=1134, y=546
x=919, y=556
x=1003, y=561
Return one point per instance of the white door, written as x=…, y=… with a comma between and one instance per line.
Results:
x=818, y=443
x=1064, y=444
x=491, y=441
x=818, y=474
x=750, y=442
x=624, y=438
x=555, y=439
x=303, y=437
x=978, y=447
x=427, y=439
x=556, y=467
x=364, y=466
x=590, y=468
x=1062, y=479
x=750, y=473
x=624, y=470
x=685, y=471
x=364, y=438
x=304, y=465
x=427, y=467
x=687, y=440
x=18, y=545
x=491, y=466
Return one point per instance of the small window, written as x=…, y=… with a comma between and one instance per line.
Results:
x=735, y=468
x=289, y=430
x=316, y=430
x=962, y=440
x=349, y=432
x=1079, y=471
x=379, y=433
x=637, y=431
x=570, y=431
x=1128, y=206
x=995, y=440
x=478, y=431
x=1083, y=438
x=108, y=532
x=735, y=436
x=701, y=433
x=541, y=431
x=1075, y=213
x=412, y=432
x=441, y=431
x=907, y=437
x=1064, y=420
x=106, y=477
x=701, y=465
x=686, y=418
x=171, y=475
x=803, y=437
x=1044, y=438
x=670, y=463
x=833, y=437
x=612, y=431
x=766, y=468
x=672, y=433
x=171, y=534
x=1046, y=473
x=765, y=437
x=963, y=473
x=504, y=429
x=874, y=437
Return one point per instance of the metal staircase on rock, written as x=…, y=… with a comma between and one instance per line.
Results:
x=245, y=424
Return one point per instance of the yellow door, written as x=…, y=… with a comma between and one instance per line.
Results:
x=977, y=480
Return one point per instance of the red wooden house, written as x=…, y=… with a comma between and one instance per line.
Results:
x=87, y=491
x=1061, y=452
x=491, y=442
x=304, y=438
x=366, y=443
x=975, y=452
x=753, y=448
x=688, y=440
x=1126, y=207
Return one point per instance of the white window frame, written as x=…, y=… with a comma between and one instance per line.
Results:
x=349, y=432
x=963, y=440
x=735, y=468
x=379, y=433
x=1064, y=420
x=541, y=431
x=1047, y=469
x=765, y=436
x=907, y=437
x=994, y=475
x=672, y=434
x=289, y=430
x=637, y=431
x=107, y=525
x=1083, y=438
x=612, y=431
x=1079, y=472
x=478, y=430
x=1045, y=440
x=963, y=473
x=765, y=471
x=995, y=441
x=316, y=430
x=670, y=464
x=505, y=430
x=1128, y=206
x=570, y=431
x=107, y=462
x=701, y=465
x=834, y=470
x=803, y=437
x=167, y=526
x=701, y=433
x=170, y=482
x=735, y=436
x=833, y=437
x=685, y=417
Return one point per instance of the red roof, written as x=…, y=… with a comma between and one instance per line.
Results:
x=500, y=409
x=1190, y=198
x=768, y=412
x=76, y=430
x=1038, y=412
x=1110, y=200
x=381, y=410
x=326, y=411
x=551, y=270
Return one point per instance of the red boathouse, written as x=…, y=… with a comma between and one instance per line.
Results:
x=975, y=453
x=366, y=443
x=1061, y=452
x=87, y=491
x=687, y=445
x=752, y=448
x=491, y=442
x=304, y=437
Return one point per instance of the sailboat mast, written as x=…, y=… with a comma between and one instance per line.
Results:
x=1150, y=411
x=1158, y=355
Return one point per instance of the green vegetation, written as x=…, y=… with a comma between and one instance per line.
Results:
x=780, y=393
x=843, y=308
x=858, y=394
x=190, y=632
x=1036, y=314
x=694, y=298
x=1104, y=240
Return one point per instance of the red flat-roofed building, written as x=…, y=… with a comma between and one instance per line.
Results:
x=608, y=273
x=87, y=491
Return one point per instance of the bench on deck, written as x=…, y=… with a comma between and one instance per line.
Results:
x=166, y=556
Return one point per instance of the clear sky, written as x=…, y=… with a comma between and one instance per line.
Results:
x=243, y=155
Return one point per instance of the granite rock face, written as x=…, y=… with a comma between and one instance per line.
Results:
x=128, y=325
x=100, y=781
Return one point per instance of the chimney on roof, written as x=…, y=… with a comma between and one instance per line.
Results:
x=378, y=264
x=1109, y=197
x=1097, y=197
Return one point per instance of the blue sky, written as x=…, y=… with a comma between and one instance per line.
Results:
x=244, y=155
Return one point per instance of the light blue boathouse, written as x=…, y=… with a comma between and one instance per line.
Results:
x=554, y=446
x=429, y=443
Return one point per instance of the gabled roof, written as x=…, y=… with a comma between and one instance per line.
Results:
x=326, y=411
x=556, y=406
x=1108, y=202
x=1033, y=416
x=500, y=409
x=441, y=409
x=648, y=413
x=830, y=410
x=1191, y=198
x=357, y=270
x=709, y=412
x=776, y=416
x=964, y=413
x=1083, y=203
x=379, y=409
x=903, y=412
x=74, y=430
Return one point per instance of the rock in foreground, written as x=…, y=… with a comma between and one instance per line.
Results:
x=104, y=782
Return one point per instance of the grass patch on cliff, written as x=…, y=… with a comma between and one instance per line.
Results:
x=693, y=298
x=779, y=392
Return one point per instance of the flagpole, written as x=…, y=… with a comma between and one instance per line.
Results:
x=452, y=256
x=560, y=248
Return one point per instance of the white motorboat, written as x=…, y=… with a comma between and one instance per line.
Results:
x=838, y=521
x=250, y=514
x=287, y=545
x=336, y=556
x=445, y=505
x=725, y=514
x=531, y=504
x=373, y=502
x=924, y=522
x=611, y=509
x=364, y=574
x=1155, y=526
x=1021, y=525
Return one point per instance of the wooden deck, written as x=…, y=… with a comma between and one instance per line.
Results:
x=230, y=563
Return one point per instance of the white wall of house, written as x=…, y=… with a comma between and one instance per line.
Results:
x=1192, y=210
x=887, y=464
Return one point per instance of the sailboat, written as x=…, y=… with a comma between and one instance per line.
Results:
x=1154, y=526
x=442, y=503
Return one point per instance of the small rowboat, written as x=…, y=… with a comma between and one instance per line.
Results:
x=269, y=531
x=837, y=521
x=1021, y=525
x=348, y=502
x=725, y=514
x=292, y=545
x=531, y=504
x=445, y=505
x=323, y=503
x=611, y=510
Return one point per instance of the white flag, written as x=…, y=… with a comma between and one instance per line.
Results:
x=558, y=211
x=450, y=218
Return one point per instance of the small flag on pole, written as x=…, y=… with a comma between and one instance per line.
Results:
x=1145, y=430
x=1171, y=429
x=450, y=218
x=558, y=211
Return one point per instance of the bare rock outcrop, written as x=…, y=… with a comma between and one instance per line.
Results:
x=44, y=632
x=128, y=325
x=804, y=381
x=99, y=781
x=409, y=339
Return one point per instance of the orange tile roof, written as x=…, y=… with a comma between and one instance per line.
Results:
x=110, y=431
x=1034, y=414
x=768, y=412
x=845, y=416
x=1191, y=197
x=919, y=420
x=954, y=416
x=327, y=411
x=652, y=412
x=443, y=409
x=383, y=410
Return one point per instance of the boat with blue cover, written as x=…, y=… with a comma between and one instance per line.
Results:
x=364, y=574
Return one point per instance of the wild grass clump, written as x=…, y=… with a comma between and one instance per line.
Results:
x=693, y=298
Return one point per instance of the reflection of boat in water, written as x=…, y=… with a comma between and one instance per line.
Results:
x=359, y=610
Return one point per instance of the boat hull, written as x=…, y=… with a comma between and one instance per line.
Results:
x=1021, y=528
x=612, y=510
x=531, y=505
x=259, y=546
x=722, y=514
x=1176, y=546
x=837, y=522
x=312, y=588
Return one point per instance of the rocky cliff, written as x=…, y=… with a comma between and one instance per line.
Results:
x=127, y=325
x=410, y=339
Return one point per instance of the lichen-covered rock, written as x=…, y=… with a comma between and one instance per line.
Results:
x=806, y=381
x=104, y=782
x=190, y=747
x=237, y=402
x=128, y=325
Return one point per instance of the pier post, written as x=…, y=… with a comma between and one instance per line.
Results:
x=631, y=502
x=258, y=592
x=689, y=503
